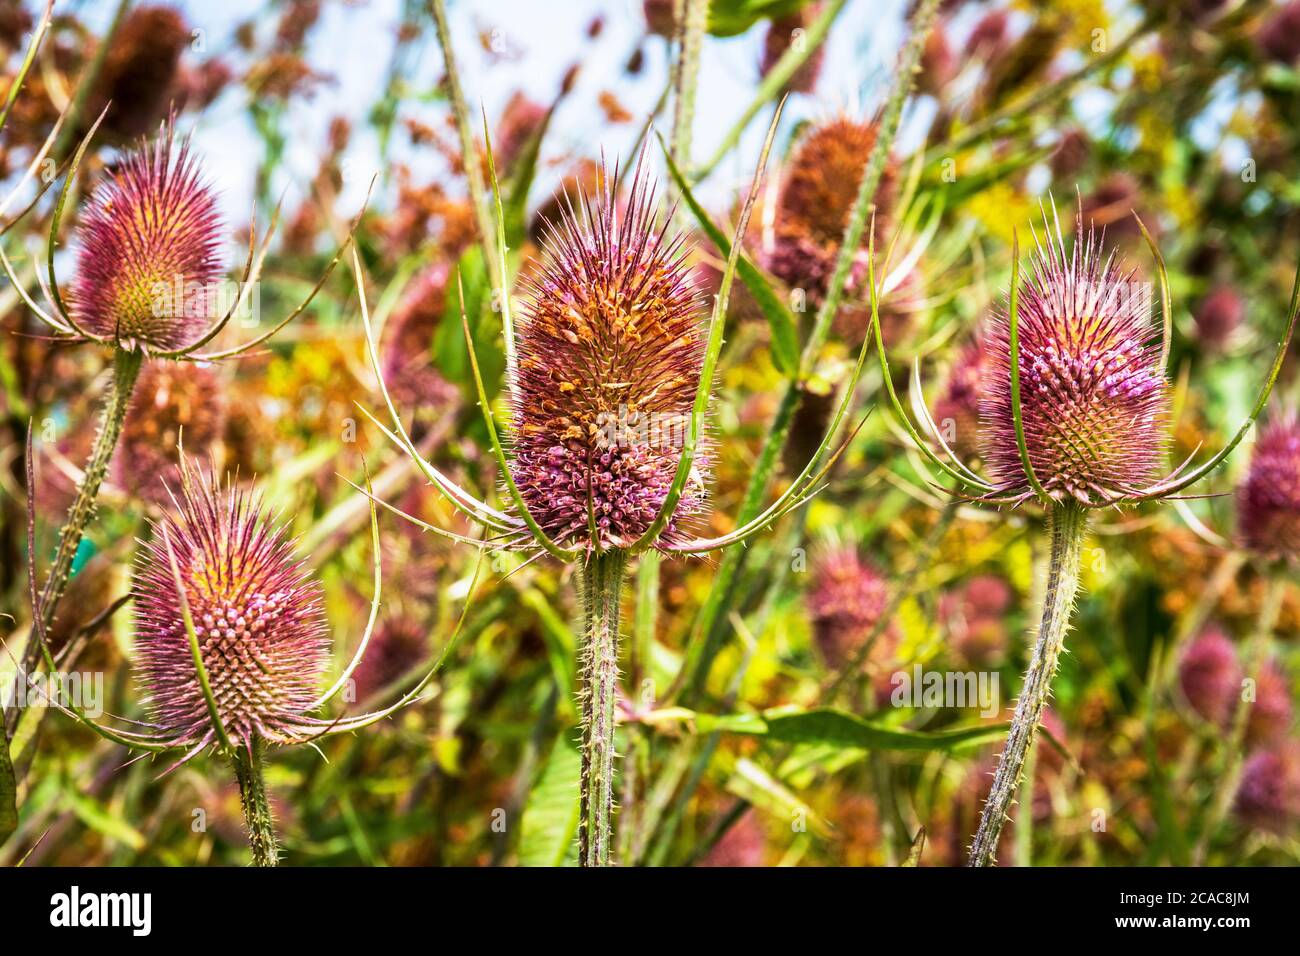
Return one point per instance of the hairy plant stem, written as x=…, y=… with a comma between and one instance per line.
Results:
x=693, y=16
x=707, y=633
x=602, y=581
x=126, y=369
x=1229, y=776
x=257, y=810
x=1066, y=524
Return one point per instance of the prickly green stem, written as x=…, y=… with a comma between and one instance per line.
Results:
x=257, y=810
x=1067, y=523
x=126, y=369
x=602, y=582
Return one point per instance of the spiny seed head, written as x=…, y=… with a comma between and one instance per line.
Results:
x=1094, y=398
x=610, y=353
x=848, y=596
x=1268, y=796
x=257, y=614
x=1271, y=712
x=1268, y=504
x=173, y=403
x=823, y=179
x=1210, y=676
x=1219, y=315
x=957, y=412
x=783, y=33
x=149, y=251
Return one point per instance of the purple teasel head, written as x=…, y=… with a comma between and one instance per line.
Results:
x=1094, y=397
x=610, y=351
x=149, y=251
x=1268, y=797
x=256, y=611
x=845, y=601
x=1210, y=676
x=1077, y=411
x=1268, y=502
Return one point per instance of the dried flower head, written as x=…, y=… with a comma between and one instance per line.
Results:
x=1268, y=796
x=610, y=352
x=139, y=75
x=173, y=402
x=399, y=644
x=847, y=597
x=822, y=183
x=150, y=245
x=1271, y=713
x=1268, y=504
x=1210, y=676
x=257, y=614
x=1094, y=397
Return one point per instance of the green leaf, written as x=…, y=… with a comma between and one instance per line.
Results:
x=449, y=341
x=785, y=335
x=838, y=728
x=728, y=18
x=752, y=783
x=94, y=815
x=550, y=819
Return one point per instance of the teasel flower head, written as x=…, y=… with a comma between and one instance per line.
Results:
x=1210, y=676
x=1268, y=797
x=610, y=353
x=399, y=644
x=781, y=35
x=1268, y=503
x=140, y=71
x=173, y=404
x=1279, y=38
x=1094, y=397
x=1271, y=713
x=1218, y=316
x=256, y=612
x=149, y=251
x=846, y=599
x=822, y=182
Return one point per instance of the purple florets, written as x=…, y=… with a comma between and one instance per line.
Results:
x=1268, y=504
x=257, y=614
x=1094, y=398
x=610, y=353
x=149, y=254
x=1210, y=676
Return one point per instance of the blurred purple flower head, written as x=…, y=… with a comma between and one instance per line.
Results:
x=610, y=353
x=957, y=411
x=784, y=32
x=1210, y=676
x=257, y=613
x=1268, y=797
x=1268, y=503
x=150, y=243
x=1219, y=315
x=1094, y=399
x=1279, y=37
x=846, y=599
x=1271, y=713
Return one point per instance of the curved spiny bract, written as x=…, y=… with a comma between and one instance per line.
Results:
x=1094, y=398
x=610, y=351
x=257, y=614
x=150, y=251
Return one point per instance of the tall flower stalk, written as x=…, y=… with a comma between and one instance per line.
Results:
x=149, y=249
x=1073, y=416
x=610, y=373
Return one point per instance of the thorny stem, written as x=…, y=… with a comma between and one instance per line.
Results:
x=602, y=582
x=1067, y=523
x=686, y=76
x=706, y=635
x=257, y=810
x=126, y=368
x=1230, y=775
x=469, y=151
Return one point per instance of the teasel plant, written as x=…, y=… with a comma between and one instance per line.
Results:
x=1074, y=416
x=149, y=256
x=1268, y=532
x=610, y=347
x=231, y=641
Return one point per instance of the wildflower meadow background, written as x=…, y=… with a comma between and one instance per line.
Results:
x=731, y=433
